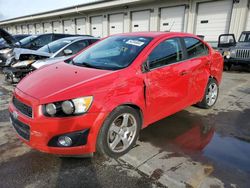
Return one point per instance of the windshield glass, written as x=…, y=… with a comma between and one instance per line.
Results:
x=112, y=53
x=55, y=46
x=245, y=37
x=26, y=40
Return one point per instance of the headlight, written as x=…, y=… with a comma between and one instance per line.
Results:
x=69, y=107
x=23, y=63
x=50, y=109
x=232, y=51
x=5, y=51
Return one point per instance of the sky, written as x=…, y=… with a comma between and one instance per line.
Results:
x=16, y=8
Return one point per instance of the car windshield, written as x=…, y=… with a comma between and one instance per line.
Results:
x=26, y=40
x=245, y=37
x=113, y=53
x=55, y=46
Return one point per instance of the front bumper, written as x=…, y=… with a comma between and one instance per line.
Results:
x=43, y=129
x=237, y=61
x=14, y=75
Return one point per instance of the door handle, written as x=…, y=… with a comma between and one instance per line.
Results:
x=183, y=73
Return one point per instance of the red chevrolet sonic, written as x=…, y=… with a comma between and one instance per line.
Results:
x=100, y=99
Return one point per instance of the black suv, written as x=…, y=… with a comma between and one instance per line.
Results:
x=235, y=53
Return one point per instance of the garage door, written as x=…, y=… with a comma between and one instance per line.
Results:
x=47, y=27
x=140, y=21
x=19, y=29
x=25, y=29
x=172, y=19
x=248, y=21
x=81, y=26
x=69, y=26
x=96, y=26
x=31, y=29
x=57, y=27
x=213, y=19
x=39, y=28
x=116, y=23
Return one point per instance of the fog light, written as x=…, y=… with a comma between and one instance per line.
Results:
x=65, y=141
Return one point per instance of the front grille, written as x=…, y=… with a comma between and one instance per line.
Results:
x=23, y=108
x=243, y=53
x=21, y=128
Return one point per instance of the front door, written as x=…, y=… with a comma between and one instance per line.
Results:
x=167, y=82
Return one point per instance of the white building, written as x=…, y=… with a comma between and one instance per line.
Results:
x=101, y=18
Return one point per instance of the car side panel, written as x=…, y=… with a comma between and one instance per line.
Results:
x=216, y=68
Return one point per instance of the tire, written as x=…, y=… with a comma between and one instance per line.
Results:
x=208, y=103
x=119, y=132
x=227, y=66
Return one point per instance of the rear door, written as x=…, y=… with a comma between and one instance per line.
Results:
x=167, y=81
x=198, y=66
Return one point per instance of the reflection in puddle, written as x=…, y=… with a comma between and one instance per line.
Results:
x=229, y=151
x=195, y=135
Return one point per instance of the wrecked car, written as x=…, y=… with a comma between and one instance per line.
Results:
x=56, y=51
x=33, y=42
x=101, y=99
x=235, y=53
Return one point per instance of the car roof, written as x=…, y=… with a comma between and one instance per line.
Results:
x=155, y=34
x=79, y=37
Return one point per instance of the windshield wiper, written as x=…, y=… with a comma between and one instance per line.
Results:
x=84, y=64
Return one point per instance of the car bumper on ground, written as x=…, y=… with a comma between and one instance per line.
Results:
x=42, y=132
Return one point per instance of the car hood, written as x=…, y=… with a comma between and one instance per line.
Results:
x=26, y=54
x=242, y=45
x=62, y=81
x=39, y=63
x=10, y=40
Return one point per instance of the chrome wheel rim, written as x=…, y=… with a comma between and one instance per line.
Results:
x=122, y=132
x=212, y=94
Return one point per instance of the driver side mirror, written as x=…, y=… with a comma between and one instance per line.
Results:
x=67, y=52
x=145, y=66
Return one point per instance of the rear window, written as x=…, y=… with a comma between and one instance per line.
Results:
x=195, y=47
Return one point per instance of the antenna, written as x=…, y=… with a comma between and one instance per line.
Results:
x=170, y=27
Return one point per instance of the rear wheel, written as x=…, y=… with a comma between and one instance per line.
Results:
x=119, y=132
x=211, y=94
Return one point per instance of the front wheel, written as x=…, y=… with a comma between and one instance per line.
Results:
x=211, y=94
x=119, y=132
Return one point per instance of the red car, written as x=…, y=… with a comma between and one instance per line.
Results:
x=101, y=98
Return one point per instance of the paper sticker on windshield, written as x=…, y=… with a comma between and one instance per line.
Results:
x=135, y=42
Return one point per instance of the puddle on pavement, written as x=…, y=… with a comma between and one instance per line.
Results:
x=195, y=135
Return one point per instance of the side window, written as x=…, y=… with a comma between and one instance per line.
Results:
x=42, y=40
x=195, y=47
x=75, y=47
x=91, y=41
x=167, y=52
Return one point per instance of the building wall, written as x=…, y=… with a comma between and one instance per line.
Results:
x=239, y=20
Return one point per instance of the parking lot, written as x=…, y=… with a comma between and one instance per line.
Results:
x=192, y=148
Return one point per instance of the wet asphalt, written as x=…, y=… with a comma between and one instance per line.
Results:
x=221, y=139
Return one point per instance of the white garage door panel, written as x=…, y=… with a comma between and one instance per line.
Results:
x=213, y=19
x=116, y=23
x=57, y=27
x=69, y=26
x=31, y=29
x=47, y=27
x=140, y=21
x=19, y=29
x=25, y=29
x=39, y=28
x=96, y=26
x=172, y=18
x=81, y=26
x=248, y=21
